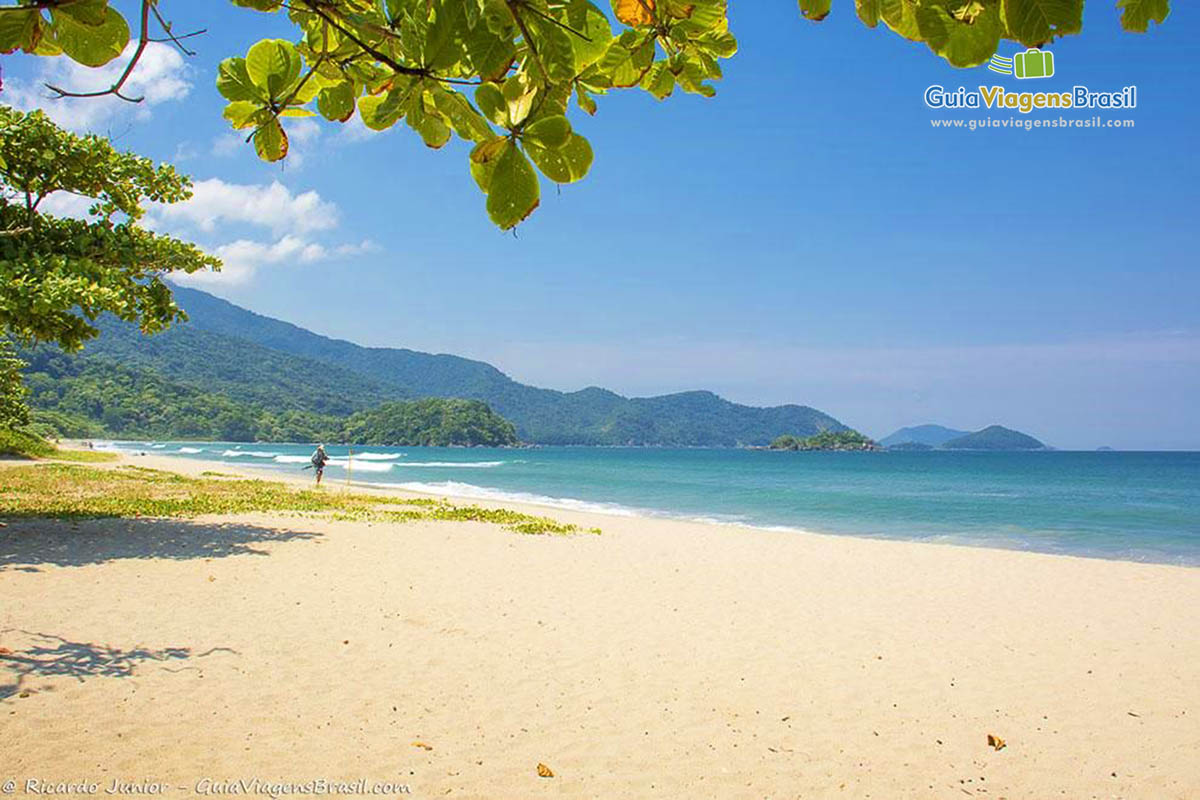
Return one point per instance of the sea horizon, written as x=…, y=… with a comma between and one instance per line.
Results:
x=1141, y=506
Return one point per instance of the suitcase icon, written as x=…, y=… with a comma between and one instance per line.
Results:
x=1033, y=63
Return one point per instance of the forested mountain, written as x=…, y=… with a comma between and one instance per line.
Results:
x=275, y=366
x=93, y=396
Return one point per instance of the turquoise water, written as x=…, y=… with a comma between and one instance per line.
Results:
x=1135, y=506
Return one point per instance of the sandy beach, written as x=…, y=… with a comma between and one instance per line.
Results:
x=659, y=659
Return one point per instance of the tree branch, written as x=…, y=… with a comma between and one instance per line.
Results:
x=115, y=89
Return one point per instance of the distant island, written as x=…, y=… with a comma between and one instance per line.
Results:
x=825, y=440
x=938, y=437
x=928, y=435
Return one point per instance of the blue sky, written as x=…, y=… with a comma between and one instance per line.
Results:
x=806, y=236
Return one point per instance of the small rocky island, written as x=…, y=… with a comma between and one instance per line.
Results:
x=826, y=440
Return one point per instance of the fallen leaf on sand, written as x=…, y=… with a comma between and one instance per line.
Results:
x=212, y=578
x=423, y=746
x=4, y=651
x=544, y=771
x=995, y=742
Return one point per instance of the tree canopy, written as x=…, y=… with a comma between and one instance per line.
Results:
x=57, y=275
x=503, y=74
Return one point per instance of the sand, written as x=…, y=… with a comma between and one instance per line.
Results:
x=660, y=659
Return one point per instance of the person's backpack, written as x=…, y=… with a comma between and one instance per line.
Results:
x=317, y=459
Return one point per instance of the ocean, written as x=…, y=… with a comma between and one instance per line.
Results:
x=1119, y=505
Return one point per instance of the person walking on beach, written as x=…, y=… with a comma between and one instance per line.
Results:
x=318, y=461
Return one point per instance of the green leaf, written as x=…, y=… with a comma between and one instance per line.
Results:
x=594, y=25
x=466, y=121
x=270, y=142
x=233, y=81
x=659, y=81
x=86, y=12
x=815, y=10
x=380, y=112
x=1035, y=22
x=490, y=55
x=625, y=66
x=518, y=93
x=273, y=66
x=513, y=191
x=567, y=164
x=430, y=126
x=552, y=132
x=336, y=103
x=868, y=12
x=243, y=113
x=554, y=49
x=585, y=100
x=17, y=29
x=1136, y=15
x=90, y=45
x=491, y=102
x=901, y=17
x=963, y=44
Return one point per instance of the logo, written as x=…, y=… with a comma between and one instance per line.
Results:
x=1033, y=63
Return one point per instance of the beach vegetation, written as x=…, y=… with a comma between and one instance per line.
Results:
x=14, y=412
x=502, y=75
x=58, y=274
x=15, y=443
x=71, y=491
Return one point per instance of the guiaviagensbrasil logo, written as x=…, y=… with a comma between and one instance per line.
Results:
x=1033, y=63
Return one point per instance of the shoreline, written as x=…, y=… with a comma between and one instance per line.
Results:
x=660, y=659
x=542, y=504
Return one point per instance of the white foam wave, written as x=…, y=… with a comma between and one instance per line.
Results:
x=362, y=466
x=451, y=464
x=184, y=449
x=292, y=459
x=253, y=453
x=467, y=490
x=378, y=456
x=158, y=446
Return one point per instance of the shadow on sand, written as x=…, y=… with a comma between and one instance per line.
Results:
x=54, y=656
x=27, y=543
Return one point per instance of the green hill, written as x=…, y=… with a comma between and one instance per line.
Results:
x=274, y=365
x=430, y=423
x=995, y=437
x=92, y=396
x=931, y=435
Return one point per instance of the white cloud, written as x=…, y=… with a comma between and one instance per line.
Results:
x=295, y=221
x=227, y=144
x=243, y=257
x=273, y=206
x=160, y=76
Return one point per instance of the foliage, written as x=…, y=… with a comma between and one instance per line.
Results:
x=825, y=440
x=135, y=402
x=13, y=411
x=22, y=444
x=58, y=275
x=60, y=425
x=430, y=422
x=502, y=74
x=70, y=491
